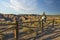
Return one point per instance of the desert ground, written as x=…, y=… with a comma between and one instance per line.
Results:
x=32, y=30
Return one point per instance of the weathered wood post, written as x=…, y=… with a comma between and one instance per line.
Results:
x=16, y=31
x=39, y=23
x=42, y=25
x=1, y=37
x=53, y=23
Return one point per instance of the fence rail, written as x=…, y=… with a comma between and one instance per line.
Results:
x=16, y=28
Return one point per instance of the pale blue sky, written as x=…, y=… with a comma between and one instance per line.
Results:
x=29, y=6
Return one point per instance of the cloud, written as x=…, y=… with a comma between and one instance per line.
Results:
x=21, y=5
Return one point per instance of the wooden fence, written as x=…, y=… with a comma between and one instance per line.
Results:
x=20, y=24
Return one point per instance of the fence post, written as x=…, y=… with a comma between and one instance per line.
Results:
x=53, y=23
x=16, y=31
x=39, y=24
x=42, y=25
x=1, y=37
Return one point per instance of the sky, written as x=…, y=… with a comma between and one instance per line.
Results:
x=30, y=6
